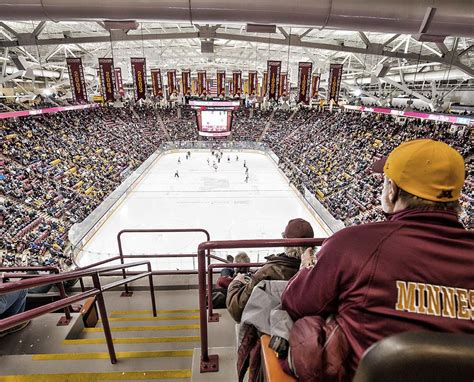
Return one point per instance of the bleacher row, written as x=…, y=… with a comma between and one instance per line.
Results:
x=59, y=167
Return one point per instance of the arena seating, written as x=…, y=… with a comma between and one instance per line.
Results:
x=59, y=167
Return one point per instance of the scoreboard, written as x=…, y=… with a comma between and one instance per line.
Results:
x=214, y=118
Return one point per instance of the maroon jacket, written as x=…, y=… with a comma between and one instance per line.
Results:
x=414, y=272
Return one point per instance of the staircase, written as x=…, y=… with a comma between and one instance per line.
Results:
x=267, y=126
x=148, y=348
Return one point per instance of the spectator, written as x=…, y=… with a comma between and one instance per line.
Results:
x=404, y=274
x=11, y=304
x=278, y=267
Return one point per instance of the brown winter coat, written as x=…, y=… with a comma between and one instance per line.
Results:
x=278, y=267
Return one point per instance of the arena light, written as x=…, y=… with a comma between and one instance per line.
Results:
x=357, y=92
x=47, y=92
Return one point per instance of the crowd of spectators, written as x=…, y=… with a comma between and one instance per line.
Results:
x=55, y=169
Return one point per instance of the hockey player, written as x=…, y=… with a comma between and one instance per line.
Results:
x=176, y=174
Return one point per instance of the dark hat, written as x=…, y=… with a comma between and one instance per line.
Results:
x=298, y=229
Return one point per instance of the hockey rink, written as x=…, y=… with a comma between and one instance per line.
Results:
x=201, y=197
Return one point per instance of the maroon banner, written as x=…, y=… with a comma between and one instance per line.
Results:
x=304, y=81
x=156, y=83
x=202, y=82
x=264, y=84
x=334, y=82
x=221, y=83
x=171, y=74
x=315, y=86
x=76, y=77
x=253, y=82
x=273, y=81
x=119, y=82
x=283, y=85
x=139, y=77
x=106, y=70
x=186, y=82
x=237, y=83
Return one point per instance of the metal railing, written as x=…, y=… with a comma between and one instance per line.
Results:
x=65, y=302
x=210, y=363
x=157, y=230
x=16, y=273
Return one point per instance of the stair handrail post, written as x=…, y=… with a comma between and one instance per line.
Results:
x=152, y=290
x=126, y=293
x=104, y=318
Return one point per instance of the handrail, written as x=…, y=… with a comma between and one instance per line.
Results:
x=214, y=317
x=26, y=269
x=210, y=363
x=62, y=292
x=153, y=230
x=97, y=291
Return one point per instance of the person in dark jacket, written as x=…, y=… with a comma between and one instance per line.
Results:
x=413, y=272
x=278, y=267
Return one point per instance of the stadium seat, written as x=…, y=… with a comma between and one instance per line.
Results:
x=273, y=370
x=410, y=357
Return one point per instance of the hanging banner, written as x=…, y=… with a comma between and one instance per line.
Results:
x=194, y=86
x=221, y=83
x=171, y=74
x=156, y=83
x=264, y=84
x=106, y=74
x=273, y=68
x=237, y=83
x=253, y=82
x=139, y=77
x=119, y=81
x=334, y=82
x=202, y=82
x=76, y=78
x=230, y=84
x=304, y=81
x=315, y=86
x=186, y=82
x=283, y=85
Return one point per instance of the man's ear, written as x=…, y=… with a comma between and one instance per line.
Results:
x=393, y=192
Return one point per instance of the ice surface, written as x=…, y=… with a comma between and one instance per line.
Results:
x=218, y=201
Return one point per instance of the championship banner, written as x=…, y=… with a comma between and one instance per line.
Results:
x=304, y=81
x=283, y=85
x=194, y=86
x=156, y=83
x=231, y=87
x=237, y=83
x=221, y=83
x=106, y=74
x=171, y=74
x=202, y=82
x=253, y=82
x=76, y=77
x=264, y=84
x=139, y=77
x=119, y=82
x=334, y=81
x=186, y=82
x=273, y=68
x=315, y=86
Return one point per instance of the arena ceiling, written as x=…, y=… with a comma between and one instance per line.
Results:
x=420, y=68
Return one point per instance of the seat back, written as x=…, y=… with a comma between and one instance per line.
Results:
x=427, y=356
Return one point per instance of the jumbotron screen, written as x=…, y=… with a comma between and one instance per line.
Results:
x=214, y=118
